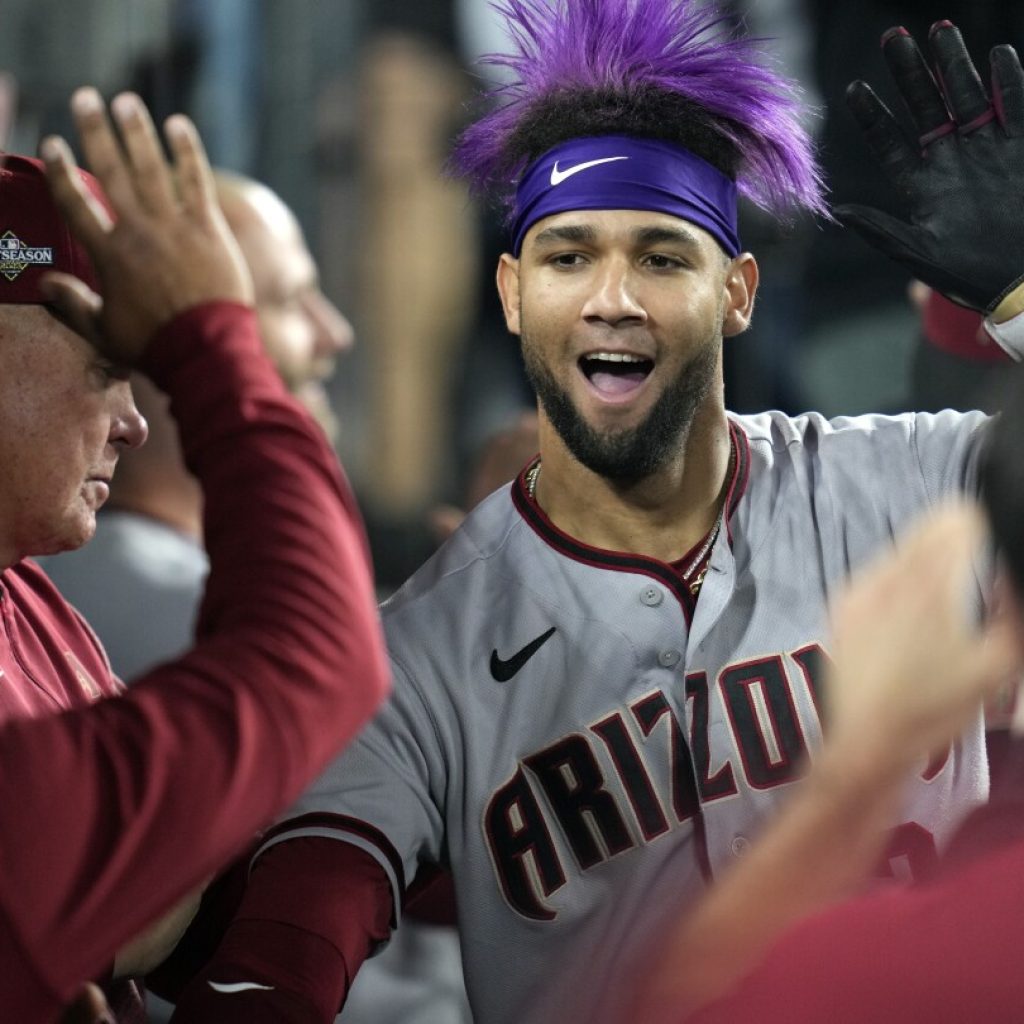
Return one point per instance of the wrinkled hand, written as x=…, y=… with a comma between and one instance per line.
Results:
x=911, y=667
x=169, y=248
x=962, y=180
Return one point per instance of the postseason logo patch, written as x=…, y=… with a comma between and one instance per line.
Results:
x=16, y=256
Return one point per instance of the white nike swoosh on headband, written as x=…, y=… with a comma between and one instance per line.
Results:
x=557, y=176
x=239, y=986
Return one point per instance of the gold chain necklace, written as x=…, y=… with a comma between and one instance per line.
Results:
x=531, y=479
x=695, y=584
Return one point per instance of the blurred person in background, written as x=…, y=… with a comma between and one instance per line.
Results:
x=148, y=542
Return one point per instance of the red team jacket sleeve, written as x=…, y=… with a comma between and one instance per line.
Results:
x=111, y=813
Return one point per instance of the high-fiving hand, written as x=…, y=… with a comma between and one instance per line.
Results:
x=961, y=180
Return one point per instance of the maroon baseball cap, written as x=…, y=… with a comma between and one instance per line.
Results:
x=34, y=237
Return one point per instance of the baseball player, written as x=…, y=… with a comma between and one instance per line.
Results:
x=607, y=679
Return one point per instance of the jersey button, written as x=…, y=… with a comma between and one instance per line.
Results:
x=740, y=845
x=668, y=659
x=651, y=596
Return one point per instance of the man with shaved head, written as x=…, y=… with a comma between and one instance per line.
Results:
x=302, y=329
x=148, y=544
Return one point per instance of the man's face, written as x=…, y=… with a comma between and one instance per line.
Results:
x=302, y=330
x=66, y=413
x=621, y=315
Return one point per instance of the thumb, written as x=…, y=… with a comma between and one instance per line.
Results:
x=76, y=302
x=894, y=237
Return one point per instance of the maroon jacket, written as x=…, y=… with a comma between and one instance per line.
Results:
x=943, y=952
x=113, y=808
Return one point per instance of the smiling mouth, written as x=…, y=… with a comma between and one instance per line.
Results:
x=615, y=374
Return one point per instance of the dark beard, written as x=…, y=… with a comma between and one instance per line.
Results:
x=627, y=456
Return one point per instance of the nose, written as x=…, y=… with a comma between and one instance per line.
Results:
x=128, y=428
x=612, y=299
x=333, y=332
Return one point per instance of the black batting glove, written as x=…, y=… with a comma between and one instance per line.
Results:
x=962, y=180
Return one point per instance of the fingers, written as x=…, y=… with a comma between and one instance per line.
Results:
x=74, y=302
x=135, y=176
x=965, y=95
x=917, y=86
x=80, y=208
x=151, y=179
x=1008, y=89
x=923, y=582
x=887, y=234
x=195, y=180
x=102, y=150
x=883, y=135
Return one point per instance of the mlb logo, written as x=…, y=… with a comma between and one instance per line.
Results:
x=15, y=256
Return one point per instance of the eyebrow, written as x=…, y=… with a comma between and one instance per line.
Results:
x=581, y=234
x=661, y=235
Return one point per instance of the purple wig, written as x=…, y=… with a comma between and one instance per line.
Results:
x=680, y=47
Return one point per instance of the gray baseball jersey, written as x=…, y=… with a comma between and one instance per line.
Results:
x=586, y=747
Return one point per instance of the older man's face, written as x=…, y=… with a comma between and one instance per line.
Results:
x=66, y=413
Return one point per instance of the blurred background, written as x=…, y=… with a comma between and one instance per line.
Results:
x=346, y=108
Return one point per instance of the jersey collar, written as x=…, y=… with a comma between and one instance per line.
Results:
x=620, y=561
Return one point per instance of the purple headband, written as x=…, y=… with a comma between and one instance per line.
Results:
x=618, y=172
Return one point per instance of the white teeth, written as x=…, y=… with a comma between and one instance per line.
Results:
x=616, y=357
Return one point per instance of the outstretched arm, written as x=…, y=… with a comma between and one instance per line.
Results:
x=905, y=620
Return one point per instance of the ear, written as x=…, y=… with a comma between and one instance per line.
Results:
x=741, y=280
x=508, y=289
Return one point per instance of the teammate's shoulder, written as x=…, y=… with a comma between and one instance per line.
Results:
x=778, y=430
x=775, y=431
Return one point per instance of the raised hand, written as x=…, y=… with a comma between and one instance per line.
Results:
x=961, y=180
x=162, y=248
x=911, y=667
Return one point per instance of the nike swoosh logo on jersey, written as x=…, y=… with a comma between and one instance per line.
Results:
x=503, y=670
x=239, y=986
x=557, y=176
